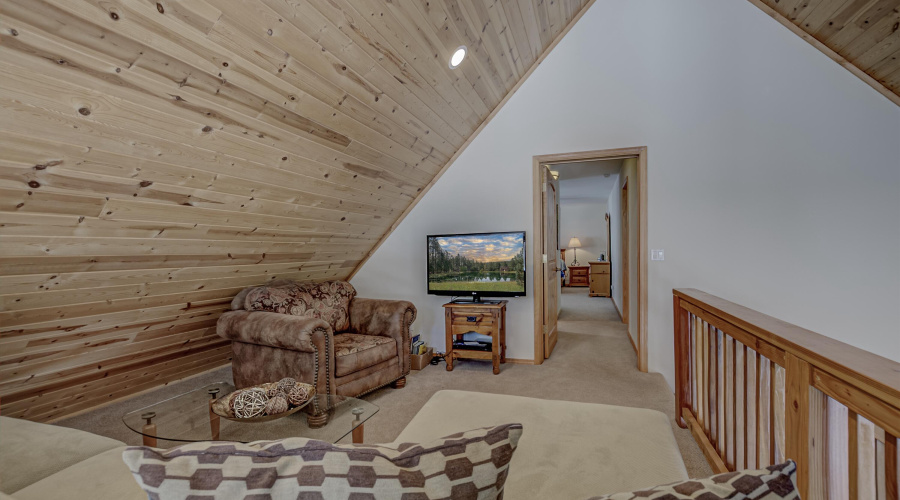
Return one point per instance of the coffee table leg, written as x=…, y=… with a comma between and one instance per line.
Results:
x=358, y=430
x=213, y=421
x=149, y=429
x=213, y=418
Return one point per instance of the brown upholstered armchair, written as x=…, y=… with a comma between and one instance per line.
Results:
x=319, y=333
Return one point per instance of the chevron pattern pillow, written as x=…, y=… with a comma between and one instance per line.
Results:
x=776, y=482
x=467, y=465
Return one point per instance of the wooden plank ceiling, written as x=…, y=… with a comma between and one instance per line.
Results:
x=158, y=157
x=861, y=35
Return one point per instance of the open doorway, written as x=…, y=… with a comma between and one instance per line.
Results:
x=590, y=255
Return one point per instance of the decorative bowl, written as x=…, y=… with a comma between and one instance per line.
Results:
x=222, y=406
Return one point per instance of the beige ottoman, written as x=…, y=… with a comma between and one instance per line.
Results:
x=568, y=450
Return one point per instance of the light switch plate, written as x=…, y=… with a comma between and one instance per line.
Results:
x=657, y=255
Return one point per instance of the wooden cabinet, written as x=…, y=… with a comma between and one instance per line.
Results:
x=579, y=275
x=600, y=279
x=483, y=318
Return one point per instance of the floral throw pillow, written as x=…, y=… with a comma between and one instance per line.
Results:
x=776, y=482
x=465, y=466
x=327, y=300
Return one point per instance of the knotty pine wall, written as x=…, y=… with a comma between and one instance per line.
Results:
x=158, y=157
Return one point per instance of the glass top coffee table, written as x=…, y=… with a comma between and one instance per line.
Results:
x=188, y=418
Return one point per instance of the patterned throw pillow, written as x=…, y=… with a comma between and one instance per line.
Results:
x=328, y=300
x=467, y=465
x=776, y=482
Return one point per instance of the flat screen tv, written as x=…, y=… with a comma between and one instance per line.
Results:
x=477, y=265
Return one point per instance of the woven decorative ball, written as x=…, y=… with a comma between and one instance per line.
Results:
x=250, y=403
x=286, y=384
x=297, y=395
x=272, y=390
x=276, y=405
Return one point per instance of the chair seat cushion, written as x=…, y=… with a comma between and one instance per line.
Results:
x=356, y=352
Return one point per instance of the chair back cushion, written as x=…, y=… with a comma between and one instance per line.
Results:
x=327, y=300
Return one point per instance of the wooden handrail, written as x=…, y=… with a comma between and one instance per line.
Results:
x=878, y=374
x=748, y=382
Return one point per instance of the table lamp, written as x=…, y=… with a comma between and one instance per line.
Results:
x=575, y=244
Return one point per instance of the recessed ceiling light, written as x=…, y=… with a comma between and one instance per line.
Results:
x=458, y=57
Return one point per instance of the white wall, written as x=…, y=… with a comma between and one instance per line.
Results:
x=774, y=174
x=582, y=218
x=628, y=175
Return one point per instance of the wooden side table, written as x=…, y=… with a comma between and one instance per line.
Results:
x=486, y=319
x=579, y=275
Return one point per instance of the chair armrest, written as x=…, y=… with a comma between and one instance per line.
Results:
x=284, y=331
x=386, y=318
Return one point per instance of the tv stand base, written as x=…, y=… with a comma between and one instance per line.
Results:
x=481, y=317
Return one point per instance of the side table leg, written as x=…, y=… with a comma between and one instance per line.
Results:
x=503, y=336
x=449, y=359
x=495, y=344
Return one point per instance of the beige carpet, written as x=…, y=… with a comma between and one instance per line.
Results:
x=593, y=362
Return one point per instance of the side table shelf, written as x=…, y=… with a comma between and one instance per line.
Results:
x=483, y=318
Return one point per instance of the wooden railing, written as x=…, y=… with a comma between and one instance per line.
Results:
x=755, y=390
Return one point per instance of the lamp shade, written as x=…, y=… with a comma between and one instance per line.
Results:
x=574, y=243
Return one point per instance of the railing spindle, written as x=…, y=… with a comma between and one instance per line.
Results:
x=714, y=390
x=720, y=397
x=816, y=444
x=745, y=424
x=853, y=454
x=704, y=394
x=734, y=398
x=772, y=424
x=890, y=466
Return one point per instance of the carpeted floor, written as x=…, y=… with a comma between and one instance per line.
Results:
x=593, y=362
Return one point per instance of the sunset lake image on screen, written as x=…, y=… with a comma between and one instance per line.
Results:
x=477, y=263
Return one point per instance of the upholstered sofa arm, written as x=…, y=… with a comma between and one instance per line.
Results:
x=284, y=331
x=387, y=318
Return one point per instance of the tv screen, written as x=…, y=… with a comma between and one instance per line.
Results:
x=482, y=264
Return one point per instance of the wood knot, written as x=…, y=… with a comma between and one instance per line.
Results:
x=13, y=32
x=292, y=97
x=40, y=167
x=343, y=219
x=225, y=64
x=114, y=16
x=269, y=31
x=207, y=129
x=284, y=158
x=84, y=111
x=34, y=184
x=160, y=8
x=146, y=184
x=118, y=70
